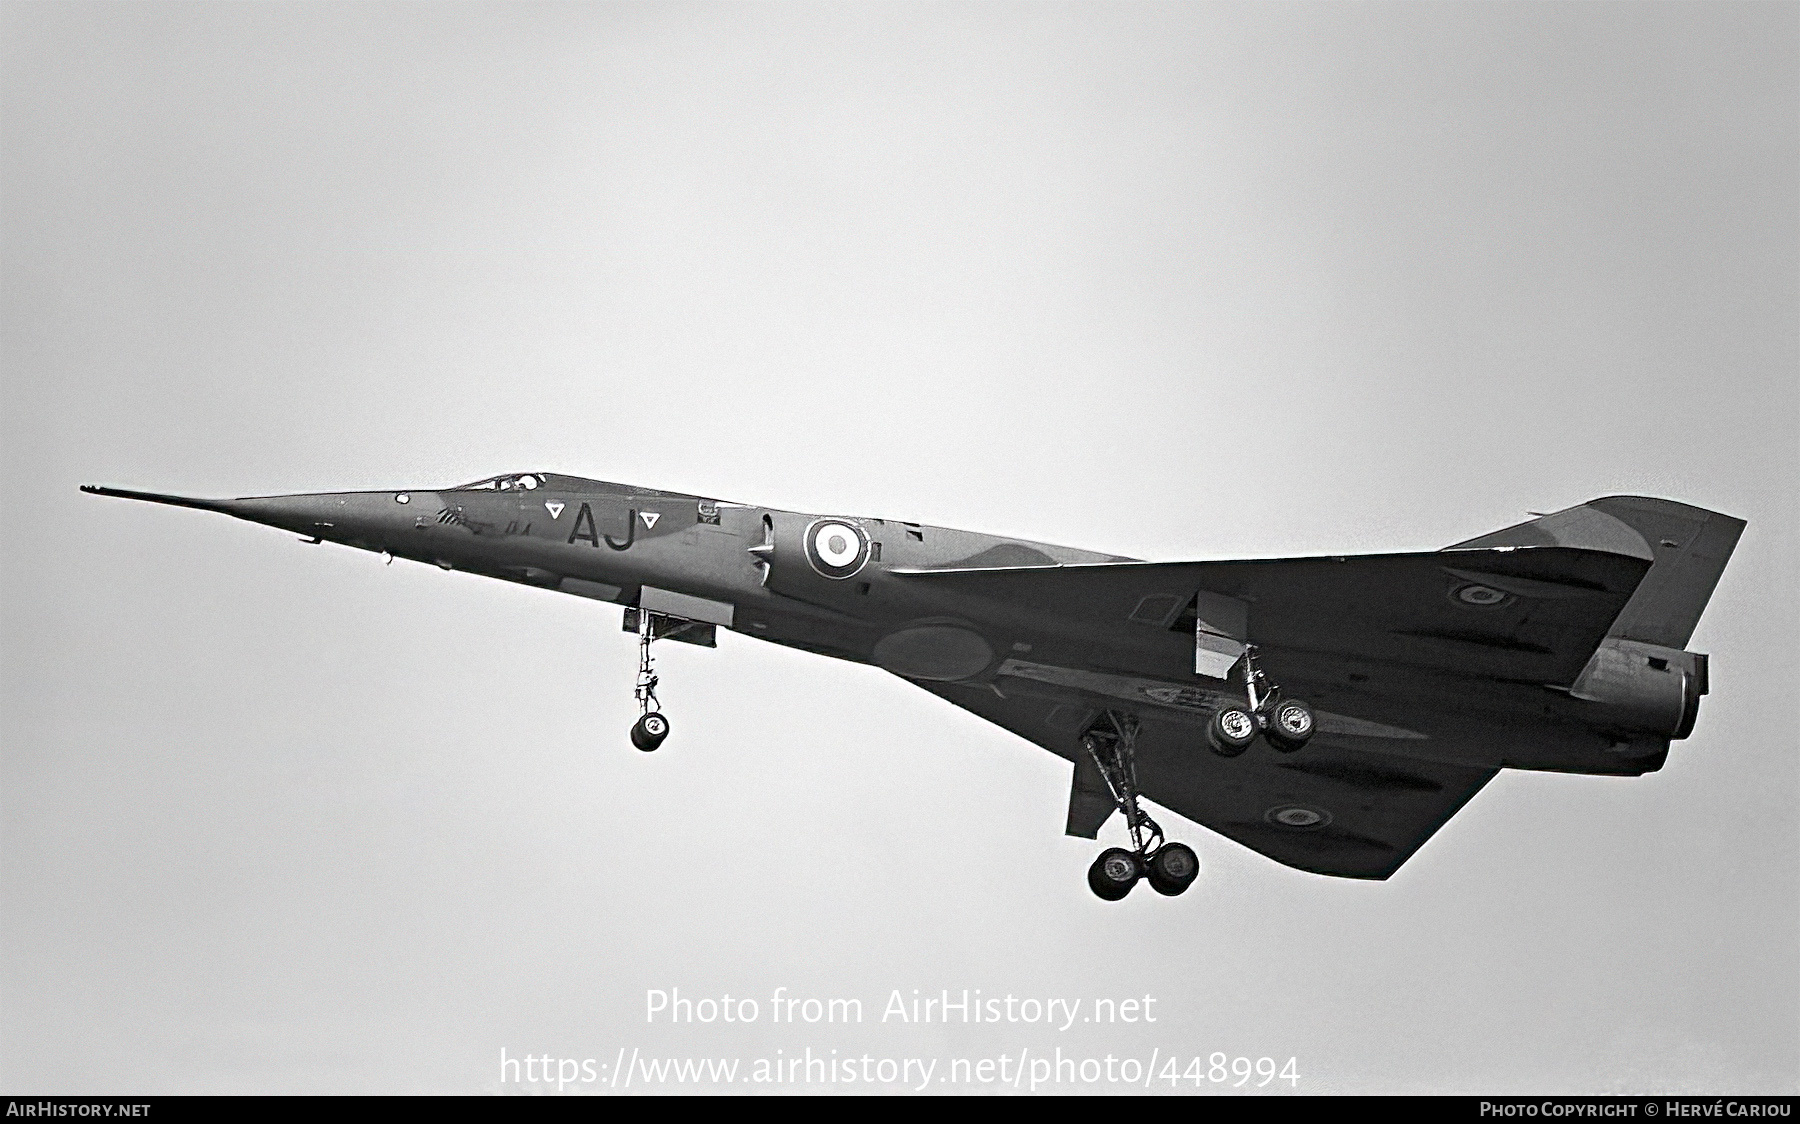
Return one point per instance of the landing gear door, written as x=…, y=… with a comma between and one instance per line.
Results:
x=1221, y=625
x=673, y=628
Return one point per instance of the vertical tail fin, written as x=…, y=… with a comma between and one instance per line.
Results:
x=1690, y=546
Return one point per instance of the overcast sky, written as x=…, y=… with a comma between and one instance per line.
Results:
x=1189, y=281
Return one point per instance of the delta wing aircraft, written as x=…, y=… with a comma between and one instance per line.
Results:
x=1330, y=713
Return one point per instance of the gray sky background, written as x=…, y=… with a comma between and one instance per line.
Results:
x=1173, y=281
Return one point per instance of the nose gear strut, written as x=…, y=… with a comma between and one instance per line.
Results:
x=1171, y=867
x=651, y=727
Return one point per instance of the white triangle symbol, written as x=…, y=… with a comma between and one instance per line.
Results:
x=650, y=518
x=555, y=508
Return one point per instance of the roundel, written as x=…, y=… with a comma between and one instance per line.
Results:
x=1481, y=596
x=1298, y=816
x=836, y=548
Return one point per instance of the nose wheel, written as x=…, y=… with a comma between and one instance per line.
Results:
x=652, y=726
x=649, y=731
x=1286, y=724
x=1170, y=868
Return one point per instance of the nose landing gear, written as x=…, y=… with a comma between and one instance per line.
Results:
x=1170, y=867
x=651, y=727
x=1286, y=724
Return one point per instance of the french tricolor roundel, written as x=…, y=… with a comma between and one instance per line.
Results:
x=836, y=548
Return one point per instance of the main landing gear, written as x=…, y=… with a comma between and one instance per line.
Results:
x=1287, y=724
x=651, y=727
x=1170, y=867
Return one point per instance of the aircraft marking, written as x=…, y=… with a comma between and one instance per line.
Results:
x=837, y=548
x=649, y=518
x=554, y=508
x=585, y=518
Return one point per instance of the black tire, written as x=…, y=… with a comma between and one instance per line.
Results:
x=1231, y=730
x=1291, y=725
x=649, y=731
x=1173, y=869
x=1114, y=873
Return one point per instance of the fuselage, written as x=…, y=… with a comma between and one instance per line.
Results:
x=612, y=542
x=838, y=586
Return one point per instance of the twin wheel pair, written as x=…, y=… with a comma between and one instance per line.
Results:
x=1111, y=741
x=1287, y=724
x=1170, y=868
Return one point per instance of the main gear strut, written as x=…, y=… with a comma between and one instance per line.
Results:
x=1171, y=867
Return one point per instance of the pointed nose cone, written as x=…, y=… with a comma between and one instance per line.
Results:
x=158, y=497
x=323, y=515
x=370, y=519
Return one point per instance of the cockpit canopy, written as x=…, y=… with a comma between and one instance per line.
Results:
x=518, y=482
x=558, y=482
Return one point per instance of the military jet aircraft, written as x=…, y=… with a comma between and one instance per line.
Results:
x=1385, y=690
